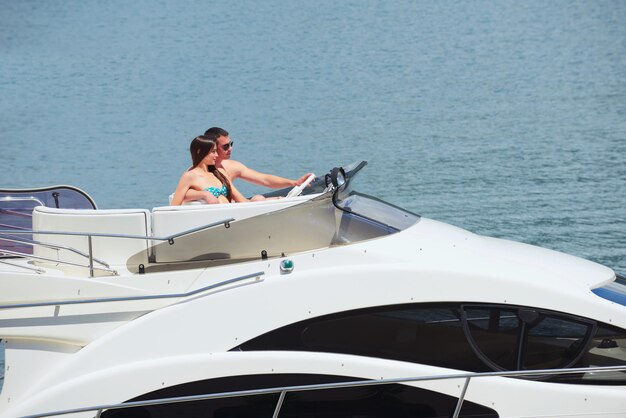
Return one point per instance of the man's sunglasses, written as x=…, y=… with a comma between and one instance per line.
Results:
x=225, y=147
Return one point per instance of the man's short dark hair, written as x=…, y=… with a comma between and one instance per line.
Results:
x=215, y=132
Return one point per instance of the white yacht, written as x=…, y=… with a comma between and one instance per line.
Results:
x=327, y=305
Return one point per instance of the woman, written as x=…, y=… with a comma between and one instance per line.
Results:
x=204, y=177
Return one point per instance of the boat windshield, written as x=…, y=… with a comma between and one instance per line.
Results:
x=16, y=208
x=377, y=210
x=339, y=216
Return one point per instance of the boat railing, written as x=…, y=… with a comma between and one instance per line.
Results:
x=283, y=391
x=9, y=235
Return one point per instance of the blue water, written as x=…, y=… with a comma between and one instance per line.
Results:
x=506, y=118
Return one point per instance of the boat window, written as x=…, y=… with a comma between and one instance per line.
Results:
x=383, y=401
x=495, y=333
x=468, y=337
x=414, y=333
x=553, y=343
x=378, y=402
x=607, y=348
x=516, y=338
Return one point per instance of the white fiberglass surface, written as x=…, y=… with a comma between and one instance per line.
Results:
x=314, y=224
x=1, y=365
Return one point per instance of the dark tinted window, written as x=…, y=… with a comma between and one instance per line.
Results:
x=496, y=334
x=385, y=401
x=516, y=338
x=419, y=334
x=465, y=337
x=607, y=348
x=377, y=402
x=554, y=342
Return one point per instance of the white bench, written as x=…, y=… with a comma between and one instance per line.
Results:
x=114, y=251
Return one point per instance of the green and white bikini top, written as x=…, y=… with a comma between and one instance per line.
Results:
x=217, y=191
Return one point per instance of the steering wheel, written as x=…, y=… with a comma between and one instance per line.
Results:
x=297, y=190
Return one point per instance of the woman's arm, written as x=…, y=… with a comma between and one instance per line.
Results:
x=193, y=194
x=185, y=193
x=181, y=190
x=236, y=195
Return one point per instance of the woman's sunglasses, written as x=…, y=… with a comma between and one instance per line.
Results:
x=225, y=147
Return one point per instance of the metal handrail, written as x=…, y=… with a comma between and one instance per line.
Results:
x=132, y=298
x=286, y=389
x=169, y=238
x=69, y=263
x=35, y=269
x=53, y=247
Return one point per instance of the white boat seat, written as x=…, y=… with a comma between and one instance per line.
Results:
x=189, y=202
x=168, y=220
x=129, y=253
x=114, y=251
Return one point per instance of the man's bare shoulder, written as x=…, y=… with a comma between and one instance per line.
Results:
x=233, y=167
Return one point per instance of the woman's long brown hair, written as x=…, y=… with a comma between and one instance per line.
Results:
x=199, y=148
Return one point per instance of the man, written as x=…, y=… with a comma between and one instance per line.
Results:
x=236, y=169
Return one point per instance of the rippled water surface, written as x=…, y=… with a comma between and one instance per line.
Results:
x=505, y=118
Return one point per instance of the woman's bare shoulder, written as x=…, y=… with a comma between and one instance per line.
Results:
x=190, y=176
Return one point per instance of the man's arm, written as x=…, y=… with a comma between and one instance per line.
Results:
x=237, y=169
x=236, y=195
